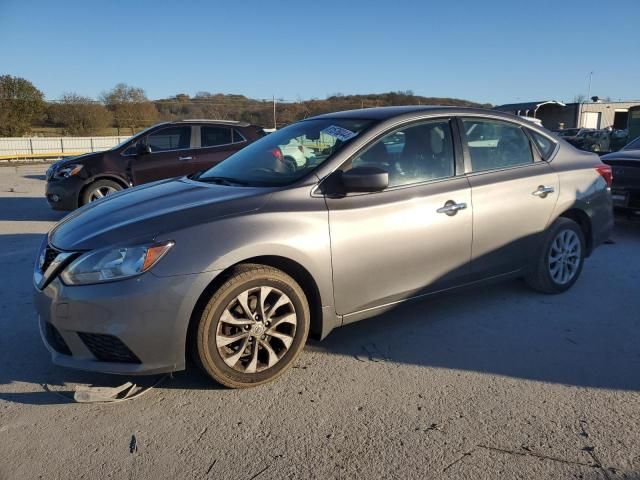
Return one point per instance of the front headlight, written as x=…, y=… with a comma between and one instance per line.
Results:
x=67, y=171
x=114, y=263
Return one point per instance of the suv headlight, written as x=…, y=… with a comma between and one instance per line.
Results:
x=67, y=171
x=114, y=263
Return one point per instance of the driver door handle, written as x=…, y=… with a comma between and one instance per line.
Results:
x=451, y=208
x=184, y=159
x=543, y=191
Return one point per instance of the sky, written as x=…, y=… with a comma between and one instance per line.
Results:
x=489, y=51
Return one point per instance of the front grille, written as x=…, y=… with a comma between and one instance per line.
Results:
x=50, y=255
x=108, y=348
x=55, y=339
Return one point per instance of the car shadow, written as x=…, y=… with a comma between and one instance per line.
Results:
x=35, y=177
x=28, y=209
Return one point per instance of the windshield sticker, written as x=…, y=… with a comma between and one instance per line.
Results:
x=340, y=133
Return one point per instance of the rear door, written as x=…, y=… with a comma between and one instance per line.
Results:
x=513, y=190
x=217, y=142
x=172, y=155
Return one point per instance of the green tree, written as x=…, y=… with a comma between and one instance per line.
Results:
x=130, y=107
x=20, y=104
x=79, y=115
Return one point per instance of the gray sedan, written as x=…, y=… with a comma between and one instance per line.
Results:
x=241, y=263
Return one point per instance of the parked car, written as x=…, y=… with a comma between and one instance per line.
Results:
x=241, y=263
x=626, y=178
x=166, y=150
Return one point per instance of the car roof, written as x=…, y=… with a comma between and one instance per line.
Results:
x=385, y=113
x=216, y=122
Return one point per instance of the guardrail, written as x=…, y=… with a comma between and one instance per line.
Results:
x=51, y=147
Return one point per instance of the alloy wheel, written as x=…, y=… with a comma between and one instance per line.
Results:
x=256, y=329
x=101, y=192
x=565, y=256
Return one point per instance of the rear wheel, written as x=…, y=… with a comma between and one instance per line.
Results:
x=253, y=327
x=99, y=189
x=561, y=258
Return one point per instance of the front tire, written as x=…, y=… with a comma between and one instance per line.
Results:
x=560, y=260
x=99, y=189
x=253, y=328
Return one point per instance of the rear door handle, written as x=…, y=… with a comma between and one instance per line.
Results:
x=543, y=191
x=184, y=159
x=451, y=208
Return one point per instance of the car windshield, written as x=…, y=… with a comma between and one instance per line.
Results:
x=286, y=155
x=633, y=145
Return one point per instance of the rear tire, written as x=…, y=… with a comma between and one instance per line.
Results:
x=253, y=328
x=560, y=259
x=99, y=189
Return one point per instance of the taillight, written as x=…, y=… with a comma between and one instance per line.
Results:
x=276, y=152
x=606, y=173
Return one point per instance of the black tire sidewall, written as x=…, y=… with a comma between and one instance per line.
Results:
x=210, y=357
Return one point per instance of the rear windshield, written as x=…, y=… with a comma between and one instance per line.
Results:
x=286, y=155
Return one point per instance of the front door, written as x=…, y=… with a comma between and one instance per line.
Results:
x=514, y=194
x=172, y=155
x=413, y=237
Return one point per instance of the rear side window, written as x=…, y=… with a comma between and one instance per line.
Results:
x=494, y=144
x=544, y=144
x=171, y=138
x=238, y=137
x=215, y=136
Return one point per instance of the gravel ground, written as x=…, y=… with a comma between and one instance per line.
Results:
x=497, y=382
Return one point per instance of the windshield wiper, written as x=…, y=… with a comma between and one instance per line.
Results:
x=221, y=180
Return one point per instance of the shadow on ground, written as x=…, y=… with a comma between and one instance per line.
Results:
x=28, y=209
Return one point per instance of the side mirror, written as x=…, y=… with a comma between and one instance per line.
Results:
x=365, y=179
x=142, y=148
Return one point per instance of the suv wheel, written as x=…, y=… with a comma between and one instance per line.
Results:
x=561, y=258
x=253, y=328
x=97, y=190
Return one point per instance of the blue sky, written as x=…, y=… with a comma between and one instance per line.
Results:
x=487, y=51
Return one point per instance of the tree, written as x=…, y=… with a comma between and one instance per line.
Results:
x=130, y=106
x=20, y=103
x=79, y=115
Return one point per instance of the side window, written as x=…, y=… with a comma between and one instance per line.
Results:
x=414, y=154
x=544, y=144
x=494, y=144
x=171, y=138
x=238, y=137
x=215, y=136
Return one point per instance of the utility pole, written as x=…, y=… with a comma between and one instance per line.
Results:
x=275, y=125
x=589, y=90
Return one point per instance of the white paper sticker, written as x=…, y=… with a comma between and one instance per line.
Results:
x=340, y=133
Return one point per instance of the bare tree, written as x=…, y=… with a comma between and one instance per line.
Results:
x=130, y=106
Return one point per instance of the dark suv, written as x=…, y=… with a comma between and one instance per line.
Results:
x=166, y=150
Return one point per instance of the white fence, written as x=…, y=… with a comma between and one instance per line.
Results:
x=49, y=146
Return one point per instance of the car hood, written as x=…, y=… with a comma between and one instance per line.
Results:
x=140, y=214
x=622, y=155
x=79, y=159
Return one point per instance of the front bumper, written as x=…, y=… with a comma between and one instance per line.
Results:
x=64, y=193
x=134, y=326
